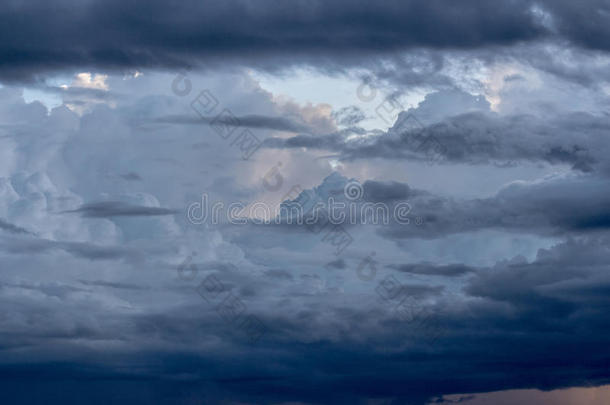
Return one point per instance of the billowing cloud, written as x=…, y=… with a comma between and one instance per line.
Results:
x=489, y=274
x=479, y=137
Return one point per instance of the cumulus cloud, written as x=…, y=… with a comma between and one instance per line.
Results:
x=479, y=137
x=104, y=278
x=549, y=207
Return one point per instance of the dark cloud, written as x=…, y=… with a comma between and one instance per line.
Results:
x=108, y=209
x=131, y=176
x=39, y=37
x=557, y=206
x=56, y=290
x=348, y=116
x=584, y=23
x=96, y=252
x=378, y=191
x=330, y=142
x=524, y=324
x=279, y=274
x=6, y=226
x=550, y=207
x=337, y=264
x=430, y=269
x=248, y=121
x=138, y=332
x=84, y=250
x=575, y=139
x=113, y=285
x=514, y=78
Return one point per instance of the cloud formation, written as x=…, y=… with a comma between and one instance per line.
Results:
x=136, y=35
x=495, y=279
x=477, y=138
x=108, y=209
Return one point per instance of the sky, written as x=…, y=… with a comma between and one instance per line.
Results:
x=305, y=202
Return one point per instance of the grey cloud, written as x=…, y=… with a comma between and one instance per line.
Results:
x=75, y=92
x=77, y=249
x=513, y=78
x=541, y=323
x=584, y=23
x=279, y=274
x=118, y=35
x=337, y=264
x=108, y=209
x=330, y=142
x=113, y=285
x=6, y=226
x=230, y=188
x=248, y=121
x=519, y=315
x=96, y=252
x=52, y=289
x=577, y=140
x=430, y=269
x=421, y=291
x=577, y=205
x=348, y=116
x=131, y=176
x=377, y=191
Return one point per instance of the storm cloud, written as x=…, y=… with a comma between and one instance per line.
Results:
x=137, y=35
x=469, y=138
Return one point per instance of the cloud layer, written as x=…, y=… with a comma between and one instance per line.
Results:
x=137, y=35
x=481, y=127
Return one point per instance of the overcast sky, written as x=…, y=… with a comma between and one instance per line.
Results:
x=481, y=128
